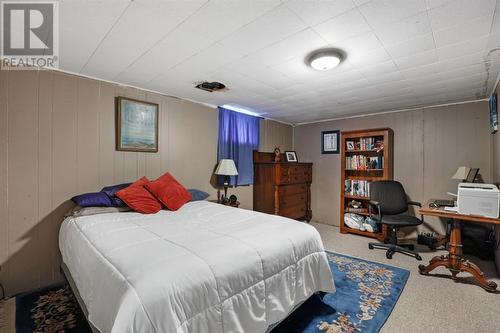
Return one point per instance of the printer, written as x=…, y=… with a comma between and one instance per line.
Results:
x=478, y=199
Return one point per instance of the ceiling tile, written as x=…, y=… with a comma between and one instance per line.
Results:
x=457, y=12
x=192, y=36
x=82, y=26
x=418, y=59
x=358, y=45
x=465, y=31
x=143, y=25
x=342, y=27
x=369, y=58
x=361, y=2
x=299, y=44
x=462, y=48
x=270, y=28
x=412, y=46
x=315, y=12
x=381, y=12
x=379, y=69
x=272, y=78
x=405, y=29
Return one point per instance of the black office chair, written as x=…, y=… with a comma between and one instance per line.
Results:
x=389, y=199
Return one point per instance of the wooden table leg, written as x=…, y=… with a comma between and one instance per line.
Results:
x=455, y=262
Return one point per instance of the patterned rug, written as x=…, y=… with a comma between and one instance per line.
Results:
x=366, y=294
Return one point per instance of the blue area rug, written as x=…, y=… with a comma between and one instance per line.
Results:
x=366, y=294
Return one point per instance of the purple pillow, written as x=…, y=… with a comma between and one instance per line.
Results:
x=96, y=199
x=110, y=192
x=197, y=195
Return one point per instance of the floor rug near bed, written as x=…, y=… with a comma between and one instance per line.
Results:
x=366, y=294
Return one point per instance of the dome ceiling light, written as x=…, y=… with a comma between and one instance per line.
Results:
x=323, y=60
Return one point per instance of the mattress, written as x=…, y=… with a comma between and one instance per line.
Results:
x=204, y=268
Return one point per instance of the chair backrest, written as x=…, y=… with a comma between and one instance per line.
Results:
x=391, y=196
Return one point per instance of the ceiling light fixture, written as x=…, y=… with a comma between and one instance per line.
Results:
x=241, y=110
x=323, y=60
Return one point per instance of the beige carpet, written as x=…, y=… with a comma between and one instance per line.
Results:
x=427, y=304
x=7, y=316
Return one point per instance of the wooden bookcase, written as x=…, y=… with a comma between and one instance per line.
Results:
x=367, y=163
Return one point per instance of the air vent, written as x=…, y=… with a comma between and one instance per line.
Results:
x=210, y=86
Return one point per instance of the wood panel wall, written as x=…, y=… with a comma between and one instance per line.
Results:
x=57, y=139
x=429, y=145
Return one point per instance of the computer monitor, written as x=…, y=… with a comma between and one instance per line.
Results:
x=472, y=175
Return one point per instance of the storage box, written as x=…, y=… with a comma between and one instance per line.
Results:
x=478, y=199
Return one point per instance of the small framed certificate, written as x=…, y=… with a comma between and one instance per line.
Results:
x=330, y=142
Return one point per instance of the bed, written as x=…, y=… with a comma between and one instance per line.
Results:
x=204, y=268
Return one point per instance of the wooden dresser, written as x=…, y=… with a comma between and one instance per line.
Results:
x=282, y=188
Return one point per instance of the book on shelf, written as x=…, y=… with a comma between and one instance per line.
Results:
x=362, y=162
x=359, y=188
x=356, y=210
x=367, y=143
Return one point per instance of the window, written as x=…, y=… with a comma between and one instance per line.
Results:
x=238, y=137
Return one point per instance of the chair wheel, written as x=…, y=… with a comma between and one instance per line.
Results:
x=370, y=246
x=418, y=257
x=388, y=255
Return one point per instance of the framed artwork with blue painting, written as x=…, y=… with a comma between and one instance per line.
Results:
x=136, y=125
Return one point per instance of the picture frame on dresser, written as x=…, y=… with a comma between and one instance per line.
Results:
x=291, y=156
x=330, y=142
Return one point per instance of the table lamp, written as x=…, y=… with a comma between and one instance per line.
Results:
x=226, y=168
x=462, y=173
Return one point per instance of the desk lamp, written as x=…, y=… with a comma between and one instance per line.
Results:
x=461, y=173
x=226, y=168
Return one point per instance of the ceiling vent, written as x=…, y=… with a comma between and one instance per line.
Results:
x=210, y=86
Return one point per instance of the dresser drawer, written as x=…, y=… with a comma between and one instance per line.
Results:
x=294, y=174
x=294, y=212
x=292, y=189
x=293, y=200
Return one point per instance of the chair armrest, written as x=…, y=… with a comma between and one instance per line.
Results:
x=418, y=204
x=376, y=204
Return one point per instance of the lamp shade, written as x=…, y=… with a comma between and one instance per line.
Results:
x=226, y=168
x=462, y=173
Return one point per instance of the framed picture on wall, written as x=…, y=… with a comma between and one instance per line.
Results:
x=136, y=125
x=330, y=142
x=493, y=113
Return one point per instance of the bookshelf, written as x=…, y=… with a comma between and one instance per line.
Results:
x=367, y=156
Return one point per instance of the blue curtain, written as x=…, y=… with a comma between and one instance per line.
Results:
x=238, y=137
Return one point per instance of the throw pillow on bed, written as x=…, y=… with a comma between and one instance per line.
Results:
x=198, y=195
x=138, y=198
x=169, y=192
x=97, y=199
x=111, y=191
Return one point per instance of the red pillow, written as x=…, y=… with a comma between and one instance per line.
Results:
x=169, y=191
x=138, y=198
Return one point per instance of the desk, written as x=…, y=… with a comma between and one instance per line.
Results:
x=454, y=260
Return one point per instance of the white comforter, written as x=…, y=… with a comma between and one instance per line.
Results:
x=206, y=268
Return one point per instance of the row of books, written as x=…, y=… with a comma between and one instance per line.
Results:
x=357, y=187
x=361, y=162
x=367, y=143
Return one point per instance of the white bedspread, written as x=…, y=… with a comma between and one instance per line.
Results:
x=206, y=268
